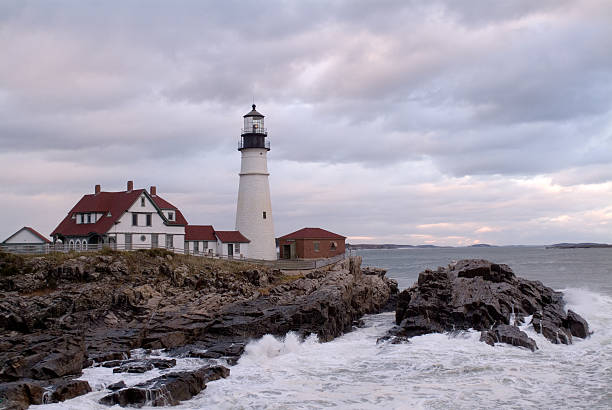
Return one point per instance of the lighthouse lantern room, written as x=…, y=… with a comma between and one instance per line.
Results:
x=254, y=208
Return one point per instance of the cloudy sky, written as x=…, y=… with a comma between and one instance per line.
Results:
x=440, y=122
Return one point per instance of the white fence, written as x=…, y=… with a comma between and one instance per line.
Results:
x=283, y=264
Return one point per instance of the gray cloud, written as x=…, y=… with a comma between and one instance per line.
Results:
x=410, y=94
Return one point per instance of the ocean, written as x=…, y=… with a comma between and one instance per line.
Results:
x=436, y=371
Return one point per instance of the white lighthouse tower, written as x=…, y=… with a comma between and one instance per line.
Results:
x=254, y=210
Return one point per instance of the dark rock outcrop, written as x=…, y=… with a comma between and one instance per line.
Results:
x=167, y=390
x=478, y=294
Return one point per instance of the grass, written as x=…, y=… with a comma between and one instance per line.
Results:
x=265, y=291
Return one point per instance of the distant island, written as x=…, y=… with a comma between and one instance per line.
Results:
x=395, y=246
x=388, y=246
x=578, y=245
x=477, y=245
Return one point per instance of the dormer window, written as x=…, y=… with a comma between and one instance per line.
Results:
x=142, y=201
x=88, y=218
x=171, y=216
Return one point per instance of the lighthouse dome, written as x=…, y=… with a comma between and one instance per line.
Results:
x=253, y=113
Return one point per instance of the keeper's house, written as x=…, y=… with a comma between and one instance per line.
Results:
x=311, y=243
x=129, y=219
x=137, y=219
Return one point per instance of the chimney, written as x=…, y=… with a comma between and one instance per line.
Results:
x=130, y=186
x=153, y=190
x=97, y=190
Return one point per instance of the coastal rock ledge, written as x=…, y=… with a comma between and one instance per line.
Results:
x=485, y=296
x=62, y=312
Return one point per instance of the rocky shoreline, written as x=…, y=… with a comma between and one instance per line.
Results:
x=61, y=313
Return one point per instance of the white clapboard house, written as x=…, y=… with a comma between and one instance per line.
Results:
x=137, y=219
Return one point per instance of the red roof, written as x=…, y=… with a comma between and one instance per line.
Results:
x=231, y=236
x=161, y=203
x=199, y=233
x=35, y=232
x=115, y=203
x=312, y=233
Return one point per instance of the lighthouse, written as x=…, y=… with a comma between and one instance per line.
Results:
x=254, y=209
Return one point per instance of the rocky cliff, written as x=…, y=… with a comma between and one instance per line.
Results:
x=59, y=313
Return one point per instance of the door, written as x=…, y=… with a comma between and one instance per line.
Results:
x=128, y=241
x=286, y=251
x=230, y=250
x=154, y=240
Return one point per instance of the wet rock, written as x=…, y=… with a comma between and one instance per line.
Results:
x=229, y=351
x=19, y=395
x=478, y=294
x=69, y=390
x=66, y=358
x=508, y=334
x=576, y=324
x=393, y=337
x=167, y=390
x=137, y=367
x=140, y=365
x=116, y=386
x=108, y=356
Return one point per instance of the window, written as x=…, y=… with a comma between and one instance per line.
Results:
x=316, y=246
x=79, y=218
x=196, y=246
x=333, y=245
x=148, y=219
x=204, y=244
x=169, y=242
x=237, y=247
x=264, y=214
x=142, y=201
x=134, y=219
x=171, y=216
x=88, y=218
x=143, y=238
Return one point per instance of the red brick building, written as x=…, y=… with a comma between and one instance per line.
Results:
x=311, y=243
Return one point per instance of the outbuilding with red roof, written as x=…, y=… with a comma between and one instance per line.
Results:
x=311, y=243
x=26, y=240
